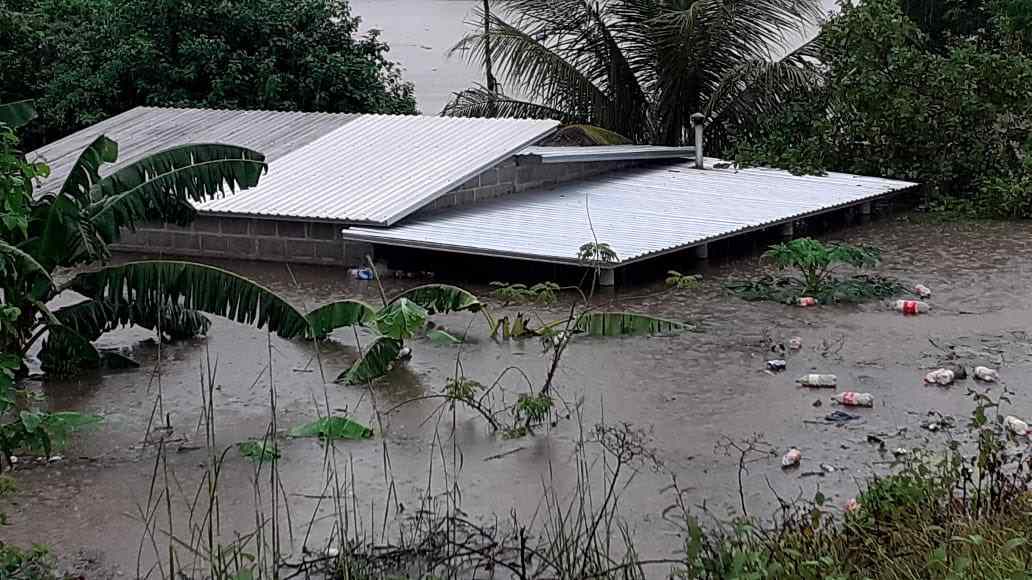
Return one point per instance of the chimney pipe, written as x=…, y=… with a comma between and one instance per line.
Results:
x=697, y=120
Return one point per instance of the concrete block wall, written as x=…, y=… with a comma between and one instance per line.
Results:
x=307, y=242
x=245, y=238
x=511, y=176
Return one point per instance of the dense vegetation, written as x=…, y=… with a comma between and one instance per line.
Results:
x=943, y=100
x=85, y=60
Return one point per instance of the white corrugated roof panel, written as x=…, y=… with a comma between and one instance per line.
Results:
x=575, y=154
x=639, y=213
x=379, y=168
x=143, y=131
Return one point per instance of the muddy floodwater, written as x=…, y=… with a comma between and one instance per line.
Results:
x=688, y=391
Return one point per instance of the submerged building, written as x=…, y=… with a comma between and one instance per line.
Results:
x=341, y=186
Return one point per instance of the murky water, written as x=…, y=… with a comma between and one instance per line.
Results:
x=689, y=391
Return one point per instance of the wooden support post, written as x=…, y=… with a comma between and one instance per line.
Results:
x=607, y=277
x=787, y=231
x=701, y=251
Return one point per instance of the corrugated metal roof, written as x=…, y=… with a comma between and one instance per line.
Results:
x=640, y=213
x=380, y=168
x=605, y=153
x=146, y=130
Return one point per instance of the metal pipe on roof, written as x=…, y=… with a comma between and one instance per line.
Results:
x=698, y=119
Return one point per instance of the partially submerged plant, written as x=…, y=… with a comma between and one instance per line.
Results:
x=681, y=281
x=816, y=261
x=544, y=293
x=816, y=264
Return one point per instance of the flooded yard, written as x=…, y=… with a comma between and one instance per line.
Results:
x=690, y=392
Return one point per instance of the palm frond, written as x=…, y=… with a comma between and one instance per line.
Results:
x=326, y=318
x=193, y=287
x=479, y=102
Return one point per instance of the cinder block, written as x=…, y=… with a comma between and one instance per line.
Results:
x=489, y=177
x=287, y=229
x=242, y=247
x=214, y=243
x=234, y=225
x=270, y=248
x=206, y=224
x=507, y=173
x=263, y=227
x=333, y=251
x=182, y=241
x=323, y=231
x=300, y=249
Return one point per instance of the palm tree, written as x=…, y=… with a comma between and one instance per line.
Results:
x=641, y=68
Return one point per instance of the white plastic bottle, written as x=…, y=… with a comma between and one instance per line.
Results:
x=940, y=376
x=923, y=291
x=816, y=380
x=1015, y=425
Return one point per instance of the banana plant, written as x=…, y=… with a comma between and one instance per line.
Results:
x=401, y=318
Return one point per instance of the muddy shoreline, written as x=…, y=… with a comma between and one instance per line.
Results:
x=688, y=391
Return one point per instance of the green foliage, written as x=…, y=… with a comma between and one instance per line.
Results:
x=934, y=92
x=194, y=286
x=335, y=315
x=639, y=68
x=533, y=409
x=625, y=324
x=401, y=319
x=461, y=389
x=681, y=281
x=1006, y=196
x=543, y=293
x=816, y=261
x=259, y=451
x=441, y=299
x=35, y=563
x=332, y=428
x=88, y=60
x=438, y=336
x=378, y=360
x=594, y=253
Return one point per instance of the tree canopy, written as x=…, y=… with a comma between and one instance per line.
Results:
x=641, y=68
x=85, y=60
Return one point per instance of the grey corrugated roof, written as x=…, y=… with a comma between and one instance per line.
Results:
x=605, y=153
x=380, y=168
x=146, y=130
x=640, y=213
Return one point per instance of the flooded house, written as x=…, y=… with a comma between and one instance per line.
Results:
x=340, y=187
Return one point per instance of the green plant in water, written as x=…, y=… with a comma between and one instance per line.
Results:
x=543, y=293
x=259, y=451
x=681, y=281
x=816, y=261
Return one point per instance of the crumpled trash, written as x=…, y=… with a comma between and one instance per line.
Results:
x=941, y=377
x=923, y=291
x=777, y=365
x=1015, y=425
x=853, y=506
x=795, y=343
x=986, y=374
x=840, y=417
x=792, y=458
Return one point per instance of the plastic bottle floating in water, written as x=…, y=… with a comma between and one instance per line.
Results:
x=854, y=399
x=807, y=301
x=911, y=307
x=815, y=380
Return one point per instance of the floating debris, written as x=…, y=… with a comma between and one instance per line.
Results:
x=792, y=458
x=817, y=380
x=911, y=307
x=854, y=399
x=986, y=374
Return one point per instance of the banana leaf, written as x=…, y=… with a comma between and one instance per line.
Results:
x=326, y=318
x=442, y=298
x=193, y=287
x=17, y=114
x=378, y=360
x=332, y=428
x=401, y=319
x=626, y=324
